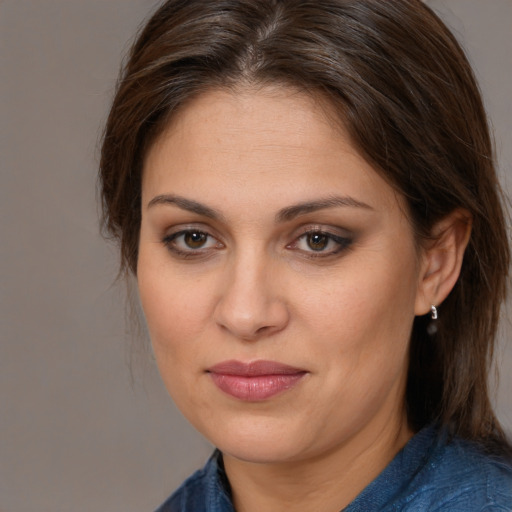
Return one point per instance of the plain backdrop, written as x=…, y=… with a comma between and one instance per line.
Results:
x=78, y=431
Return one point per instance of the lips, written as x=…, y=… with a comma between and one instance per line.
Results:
x=256, y=381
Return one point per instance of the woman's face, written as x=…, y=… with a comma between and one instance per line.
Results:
x=278, y=275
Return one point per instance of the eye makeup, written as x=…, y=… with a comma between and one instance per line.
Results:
x=191, y=243
x=320, y=243
x=311, y=242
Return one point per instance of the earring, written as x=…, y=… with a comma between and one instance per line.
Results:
x=432, y=326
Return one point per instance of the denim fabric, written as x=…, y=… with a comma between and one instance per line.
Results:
x=428, y=474
x=207, y=490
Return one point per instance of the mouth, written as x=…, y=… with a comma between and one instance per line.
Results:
x=256, y=381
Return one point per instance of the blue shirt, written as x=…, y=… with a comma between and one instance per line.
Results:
x=428, y=474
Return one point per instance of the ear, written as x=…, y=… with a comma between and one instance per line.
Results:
x=441, y=259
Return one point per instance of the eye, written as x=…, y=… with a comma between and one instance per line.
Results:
x=194, y=239
x=320, y=243
x=191, y=242
x=317, y=241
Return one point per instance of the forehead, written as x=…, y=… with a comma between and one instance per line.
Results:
x=258, y=115
x=271, y=140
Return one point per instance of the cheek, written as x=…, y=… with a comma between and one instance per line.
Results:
x=172, y=317
x=173, y=306
x=361, y=318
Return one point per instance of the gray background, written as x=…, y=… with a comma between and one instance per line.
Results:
x=77, y=430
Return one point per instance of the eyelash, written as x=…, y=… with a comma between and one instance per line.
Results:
x=170, y=242
x=342, y=243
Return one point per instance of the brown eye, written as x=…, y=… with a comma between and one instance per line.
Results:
x=195, y=239
x=317, y=241
x=191, y=242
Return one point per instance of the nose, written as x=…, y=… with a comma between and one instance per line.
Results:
x=251, y=305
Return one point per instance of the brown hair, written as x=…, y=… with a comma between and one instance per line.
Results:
x=401, y=85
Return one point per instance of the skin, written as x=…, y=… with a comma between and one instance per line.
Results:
x=256, y=290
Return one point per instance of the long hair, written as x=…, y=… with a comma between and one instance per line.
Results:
x=398, y=81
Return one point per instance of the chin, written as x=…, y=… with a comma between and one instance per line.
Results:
x=258, y=441
x=257, y=452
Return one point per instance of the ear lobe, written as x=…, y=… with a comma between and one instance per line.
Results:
x=442, y=259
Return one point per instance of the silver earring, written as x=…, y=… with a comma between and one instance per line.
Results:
x=432, y=326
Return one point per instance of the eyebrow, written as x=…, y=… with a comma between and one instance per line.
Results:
x=289, y=213
x=186, y=204
x=284, y=215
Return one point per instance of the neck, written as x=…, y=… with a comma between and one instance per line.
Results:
x=327, y=482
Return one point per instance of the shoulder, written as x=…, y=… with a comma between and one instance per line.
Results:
x=191, y=493
x=459, y=476
x=433, y=474
x=205, y=491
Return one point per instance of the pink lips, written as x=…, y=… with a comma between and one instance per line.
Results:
x=255, y=381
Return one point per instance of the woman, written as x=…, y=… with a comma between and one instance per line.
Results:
x=306, y=194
